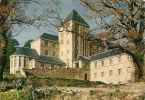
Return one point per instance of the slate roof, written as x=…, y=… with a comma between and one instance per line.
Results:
x=26, y=51
x=106, y=54
x=87, y=59
x=49, y=36
x=74, y=16
x=50, y=59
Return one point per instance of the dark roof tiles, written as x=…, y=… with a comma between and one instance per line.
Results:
x=106, y=54
x=74, y=16
x=87, y=59
x=50, y=59
x=49, y=36
x=26, y=51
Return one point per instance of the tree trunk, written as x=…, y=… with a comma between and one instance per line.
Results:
x=3, y=50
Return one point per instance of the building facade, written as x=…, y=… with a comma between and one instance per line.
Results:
x=73, y=38
x=111, y=67
x=72, y=49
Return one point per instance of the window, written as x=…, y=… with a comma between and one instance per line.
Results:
x=110, y=73
x=67, y=62
x=129, y=70
x=119, y=82
x=61, y=41
x=61, y=34
x=60, y=66
x=46, y=52
x=42, y=64
x=52, y=65
x=119, y=59
x=46, y=43
x=95, y=75
x=61, y=53
x=102, y=63
x=67, y=41
x=11, y=62
x=95, y=64
x=119, y=71
x=20, y=62
x=111, y=61
x=76, y=51
x=68, y=51
x=76, y=42
x=53, y=44
x=54, y=54
x=15, y=63
x=24, y=62
x=102, y=74
x=129, y=57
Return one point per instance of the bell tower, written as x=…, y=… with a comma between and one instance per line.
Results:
x=73, y=38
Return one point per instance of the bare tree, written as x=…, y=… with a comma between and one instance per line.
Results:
x=14, y=12
x=125, y=17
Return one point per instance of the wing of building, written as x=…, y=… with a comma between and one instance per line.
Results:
x=72, y=49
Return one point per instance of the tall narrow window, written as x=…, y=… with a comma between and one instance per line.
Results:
x=129, y=70
x=95, y=64
x=102, y=74
x=111, y=61
x=15, y=61
x=12, y=62
x=102, y=63
x=20, y=62
x=129, y=57
x=61, y=41
x=53, y=44
x=46, y=43
x=42, y=64
x=110, y=73
x=46, y=52
x=52, y=65
x=95, y=75
x=61, y=53
x=54, y=54
x=119, y=59
x=67, y=62
x=67, y=41
x=24, y=61
x=119, y=71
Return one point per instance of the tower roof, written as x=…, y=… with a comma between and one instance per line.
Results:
x=74, y=16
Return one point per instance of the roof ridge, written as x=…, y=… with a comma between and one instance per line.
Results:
x=74, y=16
x=105, y=51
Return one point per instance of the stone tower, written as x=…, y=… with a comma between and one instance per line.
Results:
x=73, y=38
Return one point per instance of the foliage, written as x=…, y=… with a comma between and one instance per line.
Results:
x=123, y=18
x=15, y=13
x=16, y=95
x=27, y=43
x=12, y=47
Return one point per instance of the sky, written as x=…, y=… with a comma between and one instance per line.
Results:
x=32, y=33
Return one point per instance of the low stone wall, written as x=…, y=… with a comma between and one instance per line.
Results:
x=66, y=73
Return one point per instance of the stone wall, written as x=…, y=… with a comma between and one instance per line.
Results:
x=66, y=73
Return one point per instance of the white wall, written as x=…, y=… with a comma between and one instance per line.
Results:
x=115, y=78
x=36, y=45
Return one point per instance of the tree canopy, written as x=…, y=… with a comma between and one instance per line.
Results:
x=15, y=12
x=27, y=43
x=125, y=17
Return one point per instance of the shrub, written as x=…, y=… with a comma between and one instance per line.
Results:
x=16, y=95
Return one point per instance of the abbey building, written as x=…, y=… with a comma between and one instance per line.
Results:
x=72, y=49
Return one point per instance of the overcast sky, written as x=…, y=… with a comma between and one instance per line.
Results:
x=32, y=33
